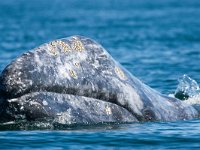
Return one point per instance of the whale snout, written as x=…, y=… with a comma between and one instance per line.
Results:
x=74, y=80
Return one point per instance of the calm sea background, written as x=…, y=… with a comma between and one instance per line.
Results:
x=156, y=40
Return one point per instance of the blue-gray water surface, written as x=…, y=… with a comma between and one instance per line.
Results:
x=156, y=40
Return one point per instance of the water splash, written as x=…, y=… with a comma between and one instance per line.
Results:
x=187, y=88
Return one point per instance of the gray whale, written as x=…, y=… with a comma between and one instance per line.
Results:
x=74, y=80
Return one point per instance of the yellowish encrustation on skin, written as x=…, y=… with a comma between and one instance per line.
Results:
x=120, y=73
x=77, y=45
x=108, y=110
x=53, y=48
x=73, y=74
x=77, y=64
x=64, y=45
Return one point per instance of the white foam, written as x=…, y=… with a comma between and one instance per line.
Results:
x=193, y=100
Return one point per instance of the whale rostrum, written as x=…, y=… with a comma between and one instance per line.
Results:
x=75, y=80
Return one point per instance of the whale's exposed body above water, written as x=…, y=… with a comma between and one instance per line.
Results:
x=75, y=80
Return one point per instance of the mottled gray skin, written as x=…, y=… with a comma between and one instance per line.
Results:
x=77, y=81
x=66, y=109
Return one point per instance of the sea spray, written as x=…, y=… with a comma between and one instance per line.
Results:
x=187, y=88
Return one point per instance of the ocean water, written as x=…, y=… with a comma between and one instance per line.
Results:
x=157, y=41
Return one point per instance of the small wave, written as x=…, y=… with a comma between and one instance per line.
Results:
x=193, y=100
x=189, y=91
x=187, y=88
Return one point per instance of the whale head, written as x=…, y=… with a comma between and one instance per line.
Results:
x=77, y=79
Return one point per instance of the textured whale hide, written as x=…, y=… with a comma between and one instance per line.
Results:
x=75, y=80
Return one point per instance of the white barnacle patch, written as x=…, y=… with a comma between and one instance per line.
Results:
x=120, y=73
x=45, y=103
x=77, y=45
x=108, y=110
x=64, y=46
x=73, y=74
